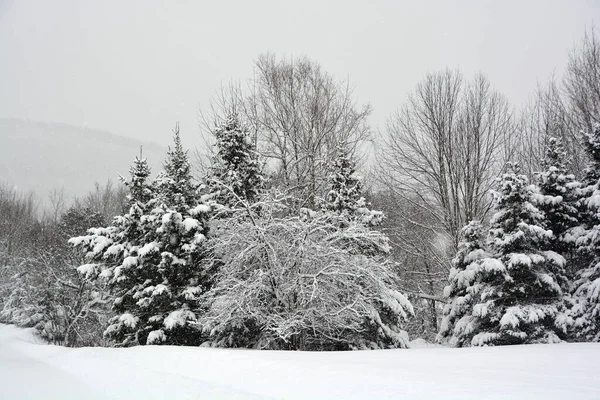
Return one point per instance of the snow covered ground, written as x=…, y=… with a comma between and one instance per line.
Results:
x=32, y=370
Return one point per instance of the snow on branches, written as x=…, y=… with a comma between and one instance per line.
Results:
x=512, y=295
x=236, y=172
x=586, y=308
x=469, y=264
x=558, y=199
x=151, y=256
x=344, y=192
x=296, y=283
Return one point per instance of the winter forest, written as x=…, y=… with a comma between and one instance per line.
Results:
x=294, y=224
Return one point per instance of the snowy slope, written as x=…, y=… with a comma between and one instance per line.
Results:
x=31, y=370
x=39, y=157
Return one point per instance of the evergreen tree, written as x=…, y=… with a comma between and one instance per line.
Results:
x=592, y=147
x=152, y=256
x=235, y=165
x=471, y=261
x=344, y=192
x=140, y=189
x=558, y=200
x=586, y=309
x=176, y=186
x=522, y=302
x=77, y=220
x=108, y=248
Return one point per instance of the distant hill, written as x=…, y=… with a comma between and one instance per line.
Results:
x=39, y=157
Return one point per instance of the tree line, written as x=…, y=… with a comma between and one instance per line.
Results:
x=269, y=238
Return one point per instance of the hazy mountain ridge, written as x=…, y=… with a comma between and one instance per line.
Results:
x=39, y=156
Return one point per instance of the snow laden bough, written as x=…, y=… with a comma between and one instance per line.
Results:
x=471, y=262
x=523, y=303
x=157, y=283
x=151, y=256
x=510, y=293
x=302, y=284
x=586, y=309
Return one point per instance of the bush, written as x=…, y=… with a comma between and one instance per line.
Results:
x=301, y=284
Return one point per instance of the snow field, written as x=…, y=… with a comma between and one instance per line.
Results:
x=31, y=370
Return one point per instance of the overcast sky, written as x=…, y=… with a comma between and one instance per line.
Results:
x=135, y=67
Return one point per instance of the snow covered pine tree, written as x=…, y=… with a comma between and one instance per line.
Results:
x=344, y=192
x=469, y=264
x=586, y=310
x=521, y=301
x=151, y=256
x=558, y=200
x=236, y=172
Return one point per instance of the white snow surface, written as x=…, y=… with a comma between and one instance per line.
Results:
x=30, y=369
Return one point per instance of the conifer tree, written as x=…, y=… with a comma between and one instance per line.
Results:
x=152, y=256
x=558, y=200
x=592, y=147
x=176, y=186
x=471, y=261
x=344, y=192
x=236, y=167
x=77, y=220
x=140, y=189
x=586, y=309
x=108, y=248
x=344, y=187
x=522, y=302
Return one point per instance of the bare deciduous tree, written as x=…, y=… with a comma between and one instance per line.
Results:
x=108, y=200
x=58, y=203
x=422, y=261
x=547, y=115
x=582, y=81
x=18, y=214
x=302, y=115
x=228, y=101
x=297, y=114
x=563, y=109
x=441, y=154
x=445, y=146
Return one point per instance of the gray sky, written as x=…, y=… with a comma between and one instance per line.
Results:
x=135, y=67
